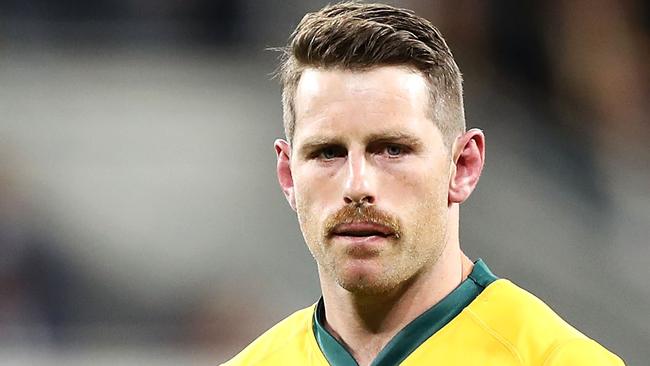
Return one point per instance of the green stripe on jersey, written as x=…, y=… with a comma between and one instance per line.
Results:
x=416, y=332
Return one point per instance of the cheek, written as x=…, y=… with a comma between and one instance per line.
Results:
x=316, y=190
x=305, y=197
x=311, y=203
x=413, y=186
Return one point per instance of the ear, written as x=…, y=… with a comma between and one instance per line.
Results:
x=469, y=156
x=283, y=150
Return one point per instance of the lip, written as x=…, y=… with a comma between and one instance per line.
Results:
x=362, y=230
x=362, y=247
x=359, y=240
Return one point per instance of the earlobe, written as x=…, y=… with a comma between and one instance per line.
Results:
x=285, y=178
x=469, y=157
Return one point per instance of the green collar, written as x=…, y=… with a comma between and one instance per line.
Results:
x=416, y=332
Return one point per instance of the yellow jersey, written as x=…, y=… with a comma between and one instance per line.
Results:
x=484, y=321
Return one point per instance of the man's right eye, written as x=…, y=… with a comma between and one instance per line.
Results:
x=329, y=153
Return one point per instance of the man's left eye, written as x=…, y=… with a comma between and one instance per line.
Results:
x=393, y=150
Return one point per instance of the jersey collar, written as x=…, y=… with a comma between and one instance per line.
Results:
x=416, y=332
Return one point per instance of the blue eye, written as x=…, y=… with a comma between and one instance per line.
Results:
x=393, y=150
x=328, y=153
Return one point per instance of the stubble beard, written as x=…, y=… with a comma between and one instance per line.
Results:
x=410, y=254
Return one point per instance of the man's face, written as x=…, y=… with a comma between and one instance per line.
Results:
x=370, y=176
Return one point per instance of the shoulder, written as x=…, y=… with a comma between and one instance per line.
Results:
x=514, y=311
x=532, y=330
x=582, y=351
x=284, y=340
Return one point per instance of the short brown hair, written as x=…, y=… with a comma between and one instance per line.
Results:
x=358, y=36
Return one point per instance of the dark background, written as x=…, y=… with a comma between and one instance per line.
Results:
x=141, y=222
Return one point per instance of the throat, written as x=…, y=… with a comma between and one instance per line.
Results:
x=362, y=345
x=365, y=324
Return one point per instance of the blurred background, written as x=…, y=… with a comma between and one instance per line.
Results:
x=141, y=222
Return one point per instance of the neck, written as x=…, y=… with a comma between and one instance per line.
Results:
x=366, y=323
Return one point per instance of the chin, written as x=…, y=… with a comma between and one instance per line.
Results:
x=367, y=288
x=365, y=280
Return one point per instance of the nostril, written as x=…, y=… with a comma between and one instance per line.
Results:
x=366, y=200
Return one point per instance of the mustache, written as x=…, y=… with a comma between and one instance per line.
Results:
x=354, y=214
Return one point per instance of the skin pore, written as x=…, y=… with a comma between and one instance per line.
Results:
x=377, y=196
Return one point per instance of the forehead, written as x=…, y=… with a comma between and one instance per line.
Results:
x=329, y=101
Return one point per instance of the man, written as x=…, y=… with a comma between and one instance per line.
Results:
x=376, y=163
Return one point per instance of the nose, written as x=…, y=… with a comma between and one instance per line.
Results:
x=359, y=185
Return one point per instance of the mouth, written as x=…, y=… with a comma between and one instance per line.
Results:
x=362, y=230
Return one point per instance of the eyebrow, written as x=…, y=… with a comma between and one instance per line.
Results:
x=317, y=142
x=394, y=136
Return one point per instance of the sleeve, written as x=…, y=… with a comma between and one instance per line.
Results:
x=581, y=352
